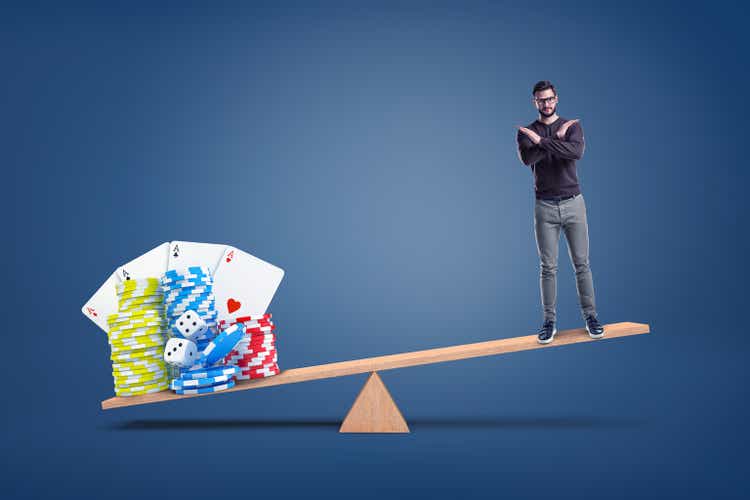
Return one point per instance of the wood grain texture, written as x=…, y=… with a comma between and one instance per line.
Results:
x=374, y=410
x=402, y=360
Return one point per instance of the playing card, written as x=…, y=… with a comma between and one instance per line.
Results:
x=102, y=303
x=151, y=264
x=244, y=285
x=188, y=253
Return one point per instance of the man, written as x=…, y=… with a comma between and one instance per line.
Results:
x=550, y=146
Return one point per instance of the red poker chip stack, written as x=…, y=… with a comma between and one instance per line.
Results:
x=255, y=354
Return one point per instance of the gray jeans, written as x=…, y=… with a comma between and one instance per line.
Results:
x=549, y=218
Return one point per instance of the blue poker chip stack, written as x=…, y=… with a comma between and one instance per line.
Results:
x=190, y=289
x=205, y=380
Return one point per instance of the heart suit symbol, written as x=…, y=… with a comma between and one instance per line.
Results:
x=233, y=305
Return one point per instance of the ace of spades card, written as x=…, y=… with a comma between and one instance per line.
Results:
x=184, y=254
x=244, y=285
x=151, y=264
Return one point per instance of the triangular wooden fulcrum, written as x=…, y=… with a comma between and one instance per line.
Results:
x=374, y=410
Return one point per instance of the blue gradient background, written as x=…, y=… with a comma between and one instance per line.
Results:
x=369, y=151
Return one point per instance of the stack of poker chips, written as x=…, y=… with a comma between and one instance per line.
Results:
x=136, y=337
x=205, y=380
x=204, y=377
x=190, y=289
x=255, y=354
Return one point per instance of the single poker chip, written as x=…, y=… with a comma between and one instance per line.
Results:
x=186, y=299
x=142, y=383
x=126, y=374
x=264, y=338
x=245, y=375
x=146, y=301
x=204, y=309
x=251, y=354
x=180, y=293
x=262, y=329
x=177, y=274
x=149, y=384
x=240, y=353
x=151, y=352
x=136, y=325
x=221, y=345
x=255, y=346
x=249, y=349
x=214, y=371
x=138, y=282
x=134, y=334
x=264, y=362
x=181, y=285
x=255, y=376
x=129, y=348
x=245, y=367
x=138, y=289
x=132, y=296
x=207, y=390
x=258, y=324
x=200, y=304
x=207, y=314
x=257, y=369
x=142, y=393
x=132, y=325
x=138, y=365
x=137, y=340
x=118, y=317
x=120, y=289
x=258, y=338
x=137, y=372
x=177, y=308
x=199, y=382
x=242, y=319
x=135, y=392
x=130, y=304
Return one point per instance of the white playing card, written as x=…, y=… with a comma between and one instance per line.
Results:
x=188, y=253
x=102, y=303
x=151, y=264
x=244, y=285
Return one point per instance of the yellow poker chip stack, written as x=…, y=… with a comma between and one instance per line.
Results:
x=137, y=334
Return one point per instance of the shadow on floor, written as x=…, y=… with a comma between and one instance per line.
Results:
x=539, y=423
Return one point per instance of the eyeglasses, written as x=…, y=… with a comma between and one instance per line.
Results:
x=546, y=100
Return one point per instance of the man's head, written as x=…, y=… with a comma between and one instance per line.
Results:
x=545, y=98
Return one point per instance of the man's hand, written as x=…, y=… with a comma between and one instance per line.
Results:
x=535, y=138
x=564, y=129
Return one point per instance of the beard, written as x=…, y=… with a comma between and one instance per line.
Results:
x=548, y=113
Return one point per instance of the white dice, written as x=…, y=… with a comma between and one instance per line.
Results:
x=181, y=352
x=190, y=325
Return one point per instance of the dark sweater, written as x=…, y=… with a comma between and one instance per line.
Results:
x=553, y=161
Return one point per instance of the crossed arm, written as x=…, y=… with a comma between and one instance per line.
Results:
x=532, y=147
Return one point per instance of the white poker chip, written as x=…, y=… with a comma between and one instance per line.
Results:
x=209, y=372
x=136, y=283
x=206, y=390
x=115, y=317
x=199, y=382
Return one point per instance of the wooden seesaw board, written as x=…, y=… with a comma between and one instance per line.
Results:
x=374, y=409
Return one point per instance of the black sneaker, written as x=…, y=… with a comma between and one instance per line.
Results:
x=595, y=329
x=547, y=332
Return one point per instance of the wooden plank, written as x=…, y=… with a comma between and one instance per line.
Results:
x=392, y=361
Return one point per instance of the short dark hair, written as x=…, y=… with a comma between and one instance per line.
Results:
x=543, y=85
